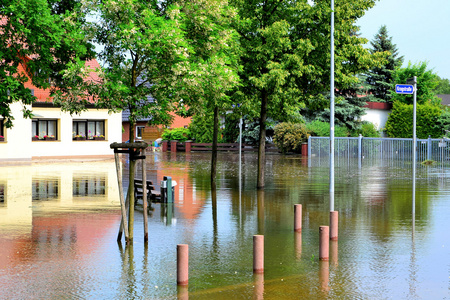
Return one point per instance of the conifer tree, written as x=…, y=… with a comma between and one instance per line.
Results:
x=380, y=78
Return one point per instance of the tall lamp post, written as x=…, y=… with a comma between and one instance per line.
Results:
x=332, y=111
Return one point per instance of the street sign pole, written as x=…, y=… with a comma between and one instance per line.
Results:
x=332, y=111
x=414, y=148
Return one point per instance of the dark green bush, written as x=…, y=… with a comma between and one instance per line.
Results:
x=319, y=128
x=179, y=134
x=288, y=137
x=400, y=121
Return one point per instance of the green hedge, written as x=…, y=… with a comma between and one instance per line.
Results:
x=400, y=121
x=319, y=128
x=179, y=134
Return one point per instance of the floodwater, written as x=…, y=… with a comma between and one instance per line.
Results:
x=59, y=224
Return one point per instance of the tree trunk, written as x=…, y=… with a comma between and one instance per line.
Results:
x=214, y=148
x=262, y=141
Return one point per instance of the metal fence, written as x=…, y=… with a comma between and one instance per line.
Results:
x=364, y=148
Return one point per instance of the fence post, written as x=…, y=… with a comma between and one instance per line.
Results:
x=359, y=150
x=309, y=146
x=429, y=148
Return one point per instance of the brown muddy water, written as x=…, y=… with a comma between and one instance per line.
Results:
x=59, y=223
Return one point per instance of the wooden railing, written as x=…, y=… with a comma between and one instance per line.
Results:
x=190, y=146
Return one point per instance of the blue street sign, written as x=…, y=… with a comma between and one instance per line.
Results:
x=404, y=89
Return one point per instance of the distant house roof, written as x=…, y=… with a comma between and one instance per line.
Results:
x=126, y=115
x=445, y=99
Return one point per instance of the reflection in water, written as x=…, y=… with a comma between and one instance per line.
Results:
x=89, y=185
x=298, y=245
x=324, y=276
x=67, y=248
x=258, y=281
x=334, y=253
x=261, y=213
x=45, y=189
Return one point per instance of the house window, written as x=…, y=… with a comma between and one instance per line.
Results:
x=89, y=129
x=139, y=131
x=44, y=129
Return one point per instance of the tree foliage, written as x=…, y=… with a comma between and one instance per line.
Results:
x=380, y=77
x=443, y=86
x=285, y=55
x=427, y=81
x=38, y=39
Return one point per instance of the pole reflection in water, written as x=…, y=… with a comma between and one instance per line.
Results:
x=298, y=245
x=324, y=276
x=334, y=253
x=168, y=214
x=260, y=208
x=182, y=292
x=258, y=291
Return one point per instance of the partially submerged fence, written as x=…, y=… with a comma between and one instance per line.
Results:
x=381, y=148
x=175, y=146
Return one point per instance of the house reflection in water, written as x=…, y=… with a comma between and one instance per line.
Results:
x=24, y=188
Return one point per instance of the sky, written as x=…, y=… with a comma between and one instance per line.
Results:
x=419, y=28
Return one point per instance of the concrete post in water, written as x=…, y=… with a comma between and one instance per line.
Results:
x=258, y=254
x=324, y=240
x=334, y=225
x=298, y=218
x=182, y=264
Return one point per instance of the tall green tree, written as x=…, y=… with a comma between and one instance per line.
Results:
x=380, y=77
x=145, y=56
x=214, y=61
x=286, y=56
x=38, y=39
x=443, y=86
x=427, y=81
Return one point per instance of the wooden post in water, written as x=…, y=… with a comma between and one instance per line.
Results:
x=144, y=199
x=122, y=202
x=132, y=200
x=124, y=221
x=134, y=151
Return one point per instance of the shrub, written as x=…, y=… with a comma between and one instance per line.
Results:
x=400, y=121
x=180, y=134
x=288, y=137
x=368, y=129
x=319, y=128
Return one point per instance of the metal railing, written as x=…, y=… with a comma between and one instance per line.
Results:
x=364, y=148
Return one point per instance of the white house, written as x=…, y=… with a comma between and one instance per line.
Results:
x=52, y=133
